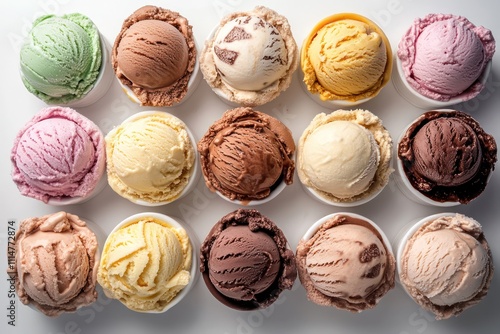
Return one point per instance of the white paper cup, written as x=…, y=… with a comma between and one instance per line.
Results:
x=196, y=166
x=193, y=82
x=175, y=222
x=420, y=101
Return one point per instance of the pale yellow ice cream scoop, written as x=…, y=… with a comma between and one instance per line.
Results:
x=150, y=158
x=340, y=158
x=344, y=156
x=346, y=57
x=145, y=264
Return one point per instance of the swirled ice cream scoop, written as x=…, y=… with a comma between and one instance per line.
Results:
x=145, y=264
x=56, y=260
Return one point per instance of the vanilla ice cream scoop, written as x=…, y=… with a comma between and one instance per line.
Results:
x=250, y=53
x=150, y=157
x=344, y=156
x=340, y=158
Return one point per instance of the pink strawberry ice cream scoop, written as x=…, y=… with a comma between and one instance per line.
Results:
x=58, y=154
x=443, y=56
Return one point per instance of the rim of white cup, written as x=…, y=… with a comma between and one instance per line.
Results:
x=274, y=193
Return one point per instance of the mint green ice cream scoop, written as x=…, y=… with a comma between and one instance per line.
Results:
x=61, y=58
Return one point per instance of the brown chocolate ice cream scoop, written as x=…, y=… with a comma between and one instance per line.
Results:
x=246, y=154
x=447, y=152
x=447, y=156
x=243, y=263
x=152, y=54
x=245, y=260
x=246, y=159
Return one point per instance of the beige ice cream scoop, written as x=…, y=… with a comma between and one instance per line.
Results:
x=345, y=261
x=56, y=261
x=445, y=264
x=344, y=157
x=340, y=158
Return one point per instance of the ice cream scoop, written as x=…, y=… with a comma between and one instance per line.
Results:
x=154, y=56
x=164, y=63
x=151, y=158
x=445, y=264
x=58, y=154
x=245, y=260
x=61, y=58
x=446, y=156
x=56, y=263
x=251, y=56
x=344, y=156
x=443, y=56
x=246, y=154
x=346, y=57
x=345, y=261
x=249, y=53
x=461, y=152
x=260, y=267
x=146, y=262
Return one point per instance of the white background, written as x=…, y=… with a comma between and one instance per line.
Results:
x=294, y=211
